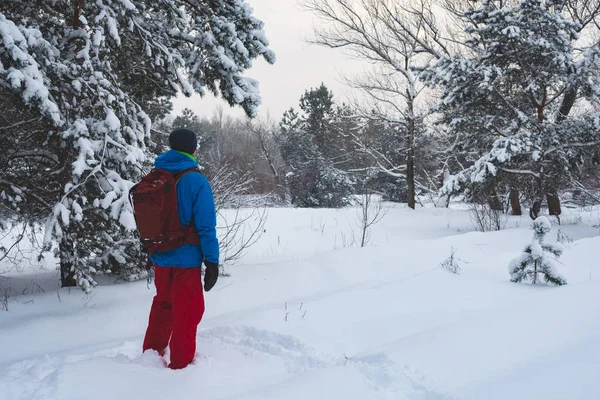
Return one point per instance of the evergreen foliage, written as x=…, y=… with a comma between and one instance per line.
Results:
x=309, y=145
x=538, y=262
x=506, y=101
x=83, y=80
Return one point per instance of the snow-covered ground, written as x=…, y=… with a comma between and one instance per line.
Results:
x=307, y=316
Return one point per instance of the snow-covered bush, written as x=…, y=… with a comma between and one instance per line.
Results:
x=538, y=262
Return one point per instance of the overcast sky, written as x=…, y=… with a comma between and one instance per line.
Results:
x=299, y=65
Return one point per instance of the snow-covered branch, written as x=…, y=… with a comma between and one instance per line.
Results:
x=521, y=172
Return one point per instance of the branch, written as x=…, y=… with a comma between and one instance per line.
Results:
x=29, y=121
x=570, y=145
x=28, y=193
x=520, y=172
x=19, y=238
x=40, y=153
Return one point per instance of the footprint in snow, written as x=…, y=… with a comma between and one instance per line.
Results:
x=251, y=341
x=402, y=383
x=381, y=371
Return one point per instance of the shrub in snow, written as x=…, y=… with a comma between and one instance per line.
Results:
x=486, y=219
x=450, y=264
x=538, y=262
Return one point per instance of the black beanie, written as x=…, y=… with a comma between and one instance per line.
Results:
x=183, y=140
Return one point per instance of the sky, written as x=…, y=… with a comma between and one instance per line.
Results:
x=299, y=65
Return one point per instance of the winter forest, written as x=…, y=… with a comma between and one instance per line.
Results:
x=430, y=231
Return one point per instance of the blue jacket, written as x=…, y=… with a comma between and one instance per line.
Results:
x=195, y=202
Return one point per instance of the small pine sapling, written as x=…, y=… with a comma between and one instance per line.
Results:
x=539, y=260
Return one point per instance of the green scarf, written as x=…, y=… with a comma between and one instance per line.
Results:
x=188, y=155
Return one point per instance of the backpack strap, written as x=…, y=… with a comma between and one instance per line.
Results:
x=178, y=175
x=191, y=236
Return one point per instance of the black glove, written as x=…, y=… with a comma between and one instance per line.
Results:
x=210, y=275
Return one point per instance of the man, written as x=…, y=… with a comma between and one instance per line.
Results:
x=178, y=306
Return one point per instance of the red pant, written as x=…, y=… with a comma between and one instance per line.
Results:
x=176, y=311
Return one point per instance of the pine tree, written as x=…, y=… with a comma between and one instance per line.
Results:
x=318, y=109
x=504, y=102
x=306, y=144
x=82, y=77
x=538, y=261
x=302, y=157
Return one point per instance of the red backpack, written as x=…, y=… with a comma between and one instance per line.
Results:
x=154, y=202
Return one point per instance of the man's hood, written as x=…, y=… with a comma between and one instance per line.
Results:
x=174, y=161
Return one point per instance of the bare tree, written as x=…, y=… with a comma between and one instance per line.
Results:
x=264, y=132
x=240, y=227
x=397, y=39
x=371, y=211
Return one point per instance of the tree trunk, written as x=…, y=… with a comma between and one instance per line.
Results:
x=515, y=203
x=67, y=269
x=553, y=204
x=410, y=172
x=565, y=108
x=77, y=7
x=494, y=202
x=534, y=212
x=567, y=103
x=410, y=154
x=365, y=215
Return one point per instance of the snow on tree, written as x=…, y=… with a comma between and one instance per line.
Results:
x=80, y=76
x=505, y=100
x=538, y=262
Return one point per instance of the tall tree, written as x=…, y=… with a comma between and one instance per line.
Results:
x=394, y=37
x=504, y=100
x=318, y=108
x=308, y=144
x=78, y=77
x=265, y=131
